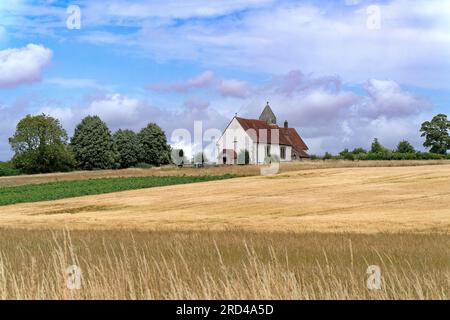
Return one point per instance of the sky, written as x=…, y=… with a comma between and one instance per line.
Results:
x=341, y=72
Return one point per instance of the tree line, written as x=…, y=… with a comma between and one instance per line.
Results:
x=437, y=138
x=41, y=144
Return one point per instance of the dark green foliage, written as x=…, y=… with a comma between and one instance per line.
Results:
x=93, y=145
x=67, y=189
x=7, y=169
x=377, y=147
x=154, y=147
x=359, y=151
x=244, y=157
x=346, y=155
x=40, y=145
x=128, y=148
x=405, y=147
x=436, y=133
x=327, y=156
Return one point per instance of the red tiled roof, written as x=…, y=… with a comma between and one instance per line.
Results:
x=288, y=137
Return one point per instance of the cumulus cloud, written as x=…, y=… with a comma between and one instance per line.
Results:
x=331, y=117
x=389, y=100
x=313, y=38
x=23, y=65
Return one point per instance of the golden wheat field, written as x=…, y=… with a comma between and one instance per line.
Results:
x=364, y=200
x=309, y=232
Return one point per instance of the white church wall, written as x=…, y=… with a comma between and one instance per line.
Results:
x=235, y=138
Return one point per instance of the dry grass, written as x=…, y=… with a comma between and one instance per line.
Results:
x=222, y=265
x=220, y=170
x=303, y=234
x=361, y=200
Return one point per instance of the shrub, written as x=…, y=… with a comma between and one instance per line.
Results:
x=405, y=147
x=359, y=151
x=327, y=156
x=346, y=155
x=7, y=169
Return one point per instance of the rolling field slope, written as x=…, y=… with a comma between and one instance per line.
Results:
x=362, y=200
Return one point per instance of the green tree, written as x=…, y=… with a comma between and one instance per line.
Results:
x=128, y=147
x=327, y=156
x=93, y=145
x=359, y=151
x=244, y=157
x=40, y=145
x=436, y=134
x=405, y=147
x=347, y=155
x=154, y=147
x=377, y=147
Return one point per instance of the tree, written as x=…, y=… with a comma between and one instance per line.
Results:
x=40, y=145
x=436, y=134
x=405, y=147
x=347, y=155
x=154, y=147
x=93, y=145
x=244, y=157
x=327, y=156
x=359, y=151
x=128, y=148
x=377, y=147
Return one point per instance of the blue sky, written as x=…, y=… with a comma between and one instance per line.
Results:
x=342, y=72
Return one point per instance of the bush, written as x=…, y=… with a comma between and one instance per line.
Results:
x=327, y=156
x=405, y=147
x=346, y=155
x=7, y=169
x=359, y=151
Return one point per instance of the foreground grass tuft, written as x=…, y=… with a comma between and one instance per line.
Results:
x=222, y=265
x=75, y=188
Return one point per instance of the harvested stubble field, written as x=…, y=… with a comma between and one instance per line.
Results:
x=364, y=200
x=302, y=234
x=211, y=171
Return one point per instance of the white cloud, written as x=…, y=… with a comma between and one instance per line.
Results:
x=412, y=47
x=389, y=100
x=23, y=65
x=233, y=88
